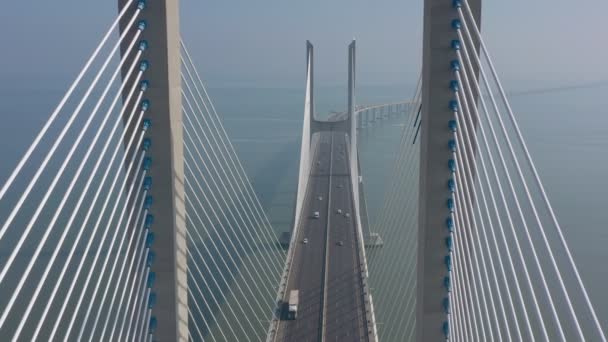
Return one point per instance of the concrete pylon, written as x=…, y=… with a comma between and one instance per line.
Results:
x=167, y=167
x=353, y=122
x=307, y=131
x=435, y=134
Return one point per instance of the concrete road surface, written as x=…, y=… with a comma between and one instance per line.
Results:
x=326, y=270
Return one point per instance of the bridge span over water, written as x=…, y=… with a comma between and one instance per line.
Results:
x=326, y=259
x=136, y=221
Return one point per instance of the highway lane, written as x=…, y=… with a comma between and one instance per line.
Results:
x=306, y=272
x=343, y=311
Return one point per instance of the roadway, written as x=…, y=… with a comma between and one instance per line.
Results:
x=327, y=273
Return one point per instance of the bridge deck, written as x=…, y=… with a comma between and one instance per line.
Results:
x=328, y=275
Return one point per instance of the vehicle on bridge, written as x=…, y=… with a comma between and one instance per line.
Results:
x=294, y=298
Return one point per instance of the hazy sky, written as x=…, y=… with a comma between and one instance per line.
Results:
x=261, y=42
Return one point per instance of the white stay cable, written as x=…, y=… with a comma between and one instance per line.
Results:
x=98, y=250
x=89, y=212
x=144, y=319
x=404, y=241
x=232, y=151
x=64, y=131
x=67, y=95
x=202, y=315
x=191, y=319
x=536, y=176
x=204, y=320
x=404, y=145
x=392, y=206
x=225, y=233
x=58, y=211
x=223, y=137
x=143, y=252
x=406, y=268
x=465, y=204
x=137, y=251
x=465, y=156
x=461, y=125
x=213, y=278
x=465, y=234
x=259, y=225
x=523, y=181
x=213, y=132
x=403, y=168
x=469, y=92
x=396, y=165
x=137, y=307
x=221, y=225
x=460, y=261
x=455, y=282
x=215, y=264
x=55, y=181
x=398, y=239
x=99, y=276
x=222, y=211
x=507, y=211
x=403, y=205
x=226, y=299
x=269, y=264
x=400, y=223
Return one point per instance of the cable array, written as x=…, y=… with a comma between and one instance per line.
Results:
x=510, y=273
x=234, y=257
x=53, y=249
x=393, y=266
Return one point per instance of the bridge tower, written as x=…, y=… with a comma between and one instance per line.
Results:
x=434, y=171
x=167, y=167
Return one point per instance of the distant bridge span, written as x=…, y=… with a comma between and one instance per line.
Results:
x=326, y=259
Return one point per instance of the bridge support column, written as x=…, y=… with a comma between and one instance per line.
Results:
x=431, y=316
x=167, y=167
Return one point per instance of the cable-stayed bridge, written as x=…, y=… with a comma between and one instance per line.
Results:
x=131, y=217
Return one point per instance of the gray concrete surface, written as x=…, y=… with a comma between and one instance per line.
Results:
x=344, y=310
x=434, y=171
x=164, y=93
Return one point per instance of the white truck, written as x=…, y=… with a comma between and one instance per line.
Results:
x=294, y=298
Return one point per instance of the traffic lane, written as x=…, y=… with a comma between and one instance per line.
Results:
x=308, y=260
x=304, y=261
x=344, y=309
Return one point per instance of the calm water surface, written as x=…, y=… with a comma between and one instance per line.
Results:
x=566, y=131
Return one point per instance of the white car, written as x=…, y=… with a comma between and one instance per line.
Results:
x=315, y=214
x=339, y=211
x=347, y=215
x=305, y=241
